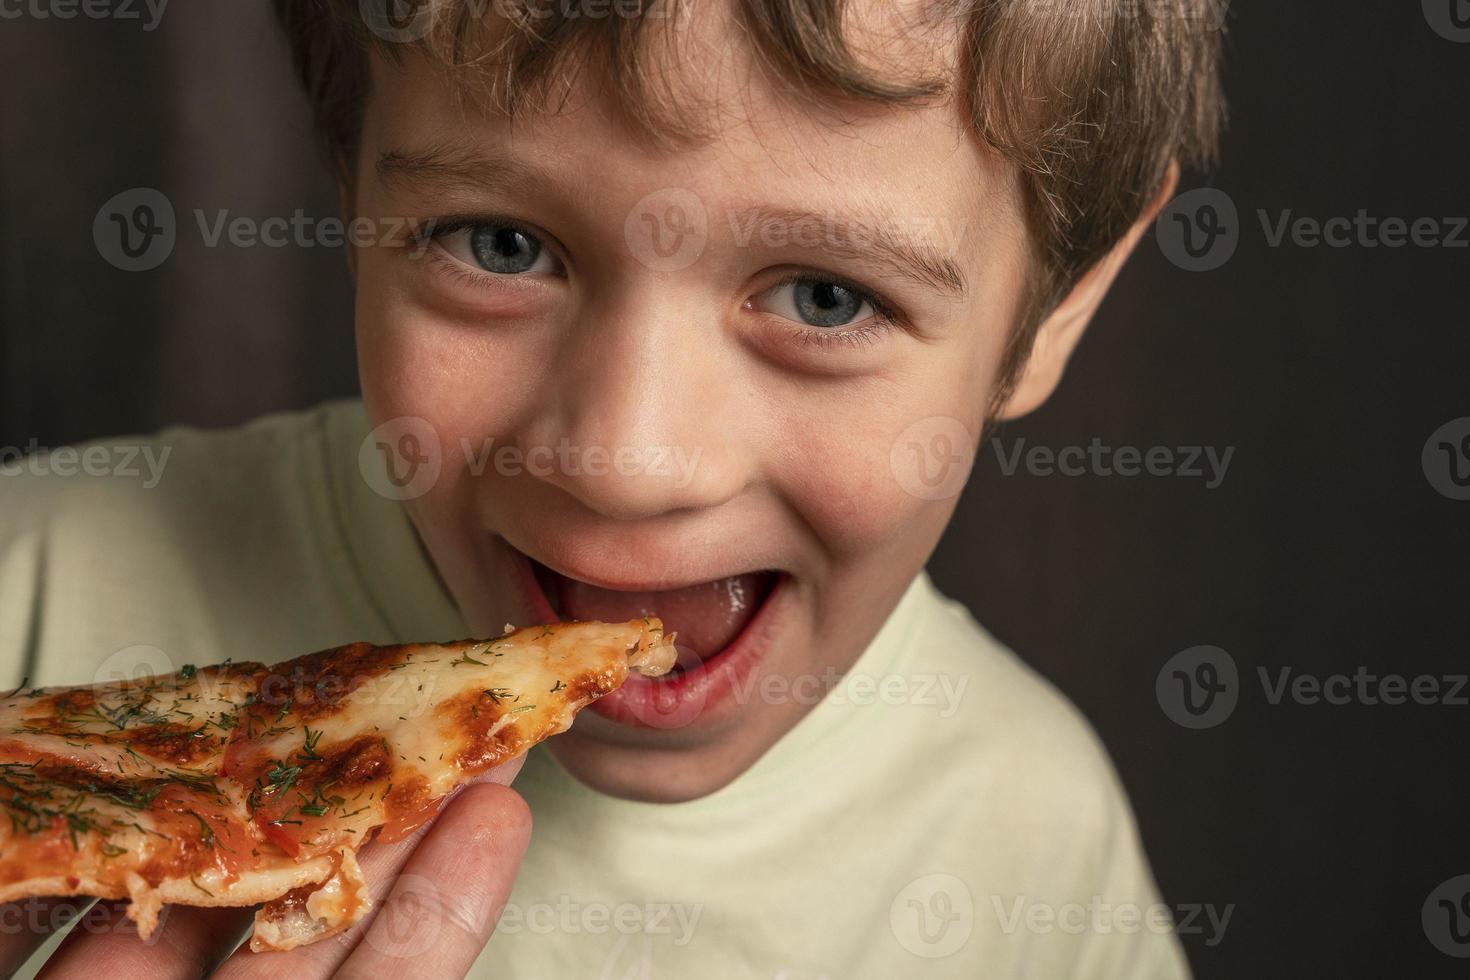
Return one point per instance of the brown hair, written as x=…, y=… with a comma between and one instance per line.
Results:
x=1093, y=100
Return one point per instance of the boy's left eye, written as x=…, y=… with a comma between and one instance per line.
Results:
x=816, y=303
x=501, y=248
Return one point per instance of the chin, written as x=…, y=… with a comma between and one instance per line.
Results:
x=646, y=776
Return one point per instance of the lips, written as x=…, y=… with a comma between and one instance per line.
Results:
x=707, y=616
x=726, y=628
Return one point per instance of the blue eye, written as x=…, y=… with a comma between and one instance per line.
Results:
x=499, y=247
x=825, y=304
x=504, y=250
x=817, y=303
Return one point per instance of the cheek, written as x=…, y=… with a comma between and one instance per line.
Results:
x=877, y=467
x=467, y=379
x=886, y=480
x=857, y=509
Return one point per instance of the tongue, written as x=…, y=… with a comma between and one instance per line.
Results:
x=707, y=616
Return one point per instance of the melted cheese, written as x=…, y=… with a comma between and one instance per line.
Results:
x=243, y=784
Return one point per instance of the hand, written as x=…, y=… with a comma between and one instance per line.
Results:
x=436, y=897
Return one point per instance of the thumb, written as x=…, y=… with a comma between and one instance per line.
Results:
x=443, y=908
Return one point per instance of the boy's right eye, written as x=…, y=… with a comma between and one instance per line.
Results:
x=498, y=247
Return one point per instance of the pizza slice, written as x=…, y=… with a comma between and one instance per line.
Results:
x=244, y=784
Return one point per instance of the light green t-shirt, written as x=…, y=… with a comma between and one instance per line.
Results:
x=942, y=812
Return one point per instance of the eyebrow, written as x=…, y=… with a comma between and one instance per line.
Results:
x=447, y=169
x=858, y=238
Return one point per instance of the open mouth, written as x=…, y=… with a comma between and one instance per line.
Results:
x=707, y=617
x=726, y=628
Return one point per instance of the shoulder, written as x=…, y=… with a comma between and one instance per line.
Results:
x=147, y=476
x=180, y=493
x=1043, y=810
x=1013, y=724
x=186, y=540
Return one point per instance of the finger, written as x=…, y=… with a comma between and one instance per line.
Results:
x=381, y=865
x=502, y=774
x=27, y=924
x=444, y=906
x=187, y=944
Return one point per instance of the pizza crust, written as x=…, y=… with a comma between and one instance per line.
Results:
x=242, y=784
x=314, y=911
x=146, y=901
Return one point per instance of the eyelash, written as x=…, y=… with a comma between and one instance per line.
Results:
x=886, y=317
x=461, y=274
x=434, y=229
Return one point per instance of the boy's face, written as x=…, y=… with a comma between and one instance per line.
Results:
x=718, y=414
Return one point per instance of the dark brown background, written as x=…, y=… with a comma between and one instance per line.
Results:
x=1324, y=550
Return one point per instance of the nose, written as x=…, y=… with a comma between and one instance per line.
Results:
x=641, y=417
